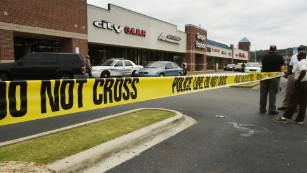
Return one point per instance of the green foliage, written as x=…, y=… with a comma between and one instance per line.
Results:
x=260, y=53
x=57, y=146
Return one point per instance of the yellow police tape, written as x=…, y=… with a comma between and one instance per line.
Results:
x=22, y=101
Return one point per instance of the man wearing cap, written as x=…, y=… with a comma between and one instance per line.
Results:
x=290, y=83
x=271, y=62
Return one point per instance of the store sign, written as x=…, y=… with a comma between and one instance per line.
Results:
x=117, y=28
x=200, y=39
x=241, y=55
x=169, y=38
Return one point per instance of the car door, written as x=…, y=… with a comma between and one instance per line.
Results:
x=118, y=69
x=169, y=71
x=128, y=68
x=26, y=67
x=48, y=66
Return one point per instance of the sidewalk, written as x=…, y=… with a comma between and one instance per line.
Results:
x=102, y=154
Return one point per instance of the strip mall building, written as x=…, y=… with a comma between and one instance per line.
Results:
x=116, y=32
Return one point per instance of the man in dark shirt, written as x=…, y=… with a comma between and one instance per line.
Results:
x=272, y=62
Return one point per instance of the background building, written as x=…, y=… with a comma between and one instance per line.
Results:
x=121, y=33
x=116, y=32
x=42, y=26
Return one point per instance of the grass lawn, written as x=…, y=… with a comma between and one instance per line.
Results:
x=48, y=149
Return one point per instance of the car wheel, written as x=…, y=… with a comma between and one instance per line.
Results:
x=3, y=77
x=105, y=74
x=179, y=74
x=65, y=76
x=161, y=74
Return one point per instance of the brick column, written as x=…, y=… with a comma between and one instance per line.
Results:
x=6, y=46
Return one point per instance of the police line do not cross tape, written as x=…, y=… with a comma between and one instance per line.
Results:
x=22, y=101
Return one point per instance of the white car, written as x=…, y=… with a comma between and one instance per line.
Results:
x=115, y=68
x=252, y=67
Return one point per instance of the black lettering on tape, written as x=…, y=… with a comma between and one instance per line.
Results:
x=97, y=99
x=207, y=82
x=134, y=94
x=118, y=89
x=126, y=95
x=70, y=96
x=3, y=102
x=107, y=90
x=175, y=84
x=13, y=99
x=80, y=93
x=182, y=84
x=52, y=96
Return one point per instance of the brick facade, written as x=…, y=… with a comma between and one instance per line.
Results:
x=245, y=46
x=6, y=46
x=62, y=19
x=196, y=48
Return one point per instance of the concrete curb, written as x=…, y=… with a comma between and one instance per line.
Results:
x=91, y=156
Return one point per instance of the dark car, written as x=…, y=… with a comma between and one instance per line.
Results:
x=44, y=65
x=160, y=68
x=229, y=67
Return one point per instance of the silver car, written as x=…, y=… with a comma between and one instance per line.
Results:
x=160, y=68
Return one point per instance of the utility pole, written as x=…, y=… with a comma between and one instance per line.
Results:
x=255, y=55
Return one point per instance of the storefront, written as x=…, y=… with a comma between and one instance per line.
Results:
x=219, y=55
x=42, y=26
x=135, y=37
x=115, y=32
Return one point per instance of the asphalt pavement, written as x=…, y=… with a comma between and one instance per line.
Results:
x=230, y=135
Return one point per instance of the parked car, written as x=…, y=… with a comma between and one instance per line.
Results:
x=238, y=67
x=160, y=68
x=229, y=67
x=44, y=65
x=115, y=68
x=252, y=67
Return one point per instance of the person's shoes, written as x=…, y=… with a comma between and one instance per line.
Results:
x=298, y=122
x=280, y=120
x=262, y=111
x=273, y=112
x=282, y=108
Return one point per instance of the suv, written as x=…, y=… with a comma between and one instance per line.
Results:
x=115, y=68
x=44, y=65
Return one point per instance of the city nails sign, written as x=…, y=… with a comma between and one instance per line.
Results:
x=118, y=29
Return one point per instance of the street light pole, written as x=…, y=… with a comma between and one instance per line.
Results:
x=255, y=55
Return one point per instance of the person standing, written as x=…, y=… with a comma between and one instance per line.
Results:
x=271, y=62
x=299, y=94
x=184, y=67
x=88, y=66
x=243, y=67
x=216, y=66
x=290, y=83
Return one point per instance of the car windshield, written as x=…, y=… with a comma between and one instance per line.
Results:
x=252, y=65
x=230, y=65
x=156, y=65
x=108, y=63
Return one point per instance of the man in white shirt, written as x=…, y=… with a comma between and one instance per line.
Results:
x=290, y=84
x=299, y=95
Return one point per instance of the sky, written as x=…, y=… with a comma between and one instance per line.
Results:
x=262, y=22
